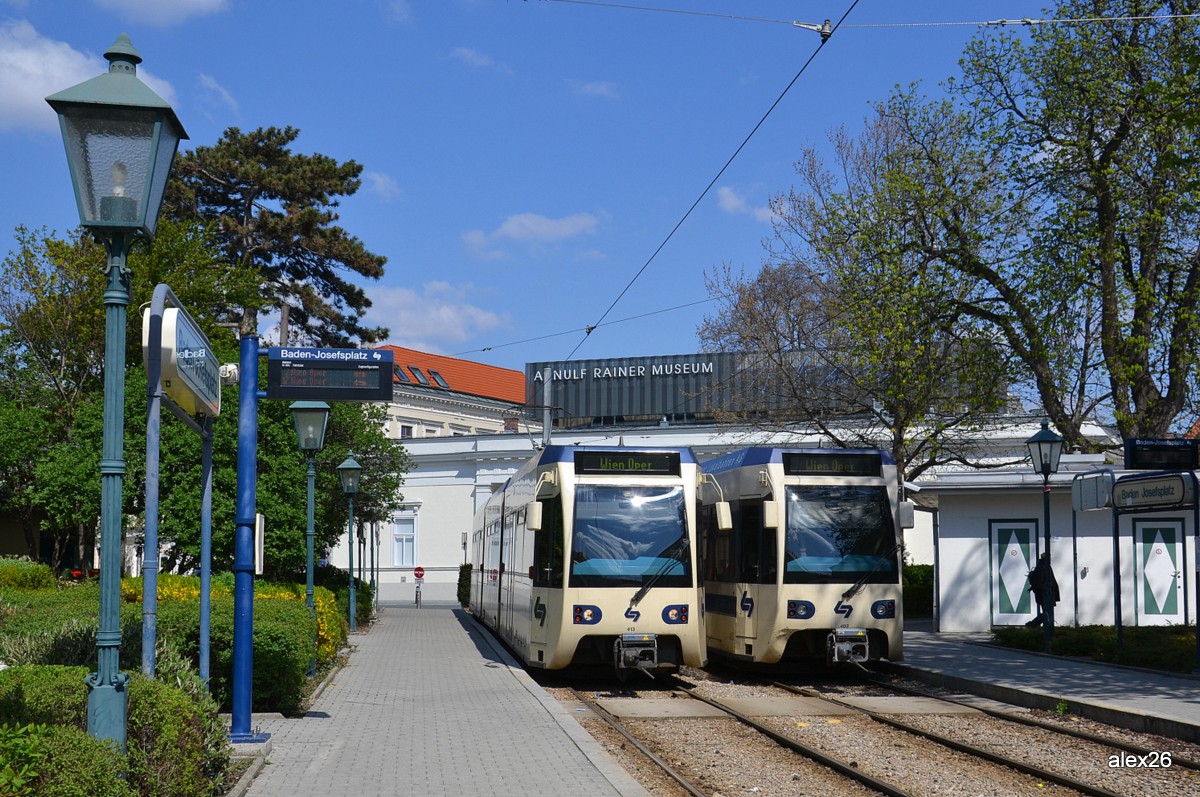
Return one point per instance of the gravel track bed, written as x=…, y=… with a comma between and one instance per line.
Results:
x=725, y=758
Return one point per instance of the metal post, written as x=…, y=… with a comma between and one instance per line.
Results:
x=350, y=548
x=310, y=537
x=150, y=563
x=374, y=587
x=243, y=550
x=206, y=486
x=1048, y=578
x=107, y=698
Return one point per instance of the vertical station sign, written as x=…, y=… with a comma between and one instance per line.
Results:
x=329, y=374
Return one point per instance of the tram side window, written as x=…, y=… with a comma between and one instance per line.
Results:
x=548, y=545
x=718, y=546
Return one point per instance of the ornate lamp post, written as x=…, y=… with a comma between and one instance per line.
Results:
x=1045, y=450
x=121, y=139
x=349, y=472
x=310, y=418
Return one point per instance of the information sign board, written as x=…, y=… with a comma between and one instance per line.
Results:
x=329, y=374
x=191, y=375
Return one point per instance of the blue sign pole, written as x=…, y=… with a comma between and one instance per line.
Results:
x=243, y=551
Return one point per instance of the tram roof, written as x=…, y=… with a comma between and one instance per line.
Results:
x=567, y=453
x=768, y=455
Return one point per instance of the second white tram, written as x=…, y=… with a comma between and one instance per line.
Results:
x=811, y=567
x=589, y=556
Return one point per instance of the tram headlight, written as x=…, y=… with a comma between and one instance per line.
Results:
x=800, y=610
x=676, y=614
x=883, y=610
x=586, y=615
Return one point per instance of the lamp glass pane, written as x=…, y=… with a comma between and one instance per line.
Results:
x=110, y=151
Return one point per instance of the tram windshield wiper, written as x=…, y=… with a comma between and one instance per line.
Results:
x=671, y=557
x=887, y=561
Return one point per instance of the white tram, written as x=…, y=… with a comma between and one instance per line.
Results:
x=588, y=556
x=811, y=566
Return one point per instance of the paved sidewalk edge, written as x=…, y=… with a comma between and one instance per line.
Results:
x=625, y=784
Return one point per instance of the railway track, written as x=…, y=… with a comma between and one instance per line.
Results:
x=904, y=758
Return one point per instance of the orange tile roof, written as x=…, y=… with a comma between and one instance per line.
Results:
x=463, y=376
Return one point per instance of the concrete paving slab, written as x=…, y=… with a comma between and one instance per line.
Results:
x=787, y=706
x=657, y=708
x=904, y=704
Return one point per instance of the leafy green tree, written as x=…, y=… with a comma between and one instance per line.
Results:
x=851, y=329
x=1098, y=126
x=274, y=211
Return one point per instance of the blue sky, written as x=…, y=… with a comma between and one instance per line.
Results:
x=523, y=160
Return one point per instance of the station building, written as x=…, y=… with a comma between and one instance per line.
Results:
x=982, y=529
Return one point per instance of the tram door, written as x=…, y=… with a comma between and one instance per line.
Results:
x=548, y=568
x=750, y=533
x=1158, y=579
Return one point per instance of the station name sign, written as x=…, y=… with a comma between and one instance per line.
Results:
x=299, y=373
x=627, y=371
x=191, y=374
x=1154, y=490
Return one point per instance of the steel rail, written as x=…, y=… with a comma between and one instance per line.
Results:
x=978, y=752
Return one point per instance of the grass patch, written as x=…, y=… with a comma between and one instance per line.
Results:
x=1170, y=648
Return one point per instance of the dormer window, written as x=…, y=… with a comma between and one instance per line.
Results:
x=424, y=380
x=438, y=378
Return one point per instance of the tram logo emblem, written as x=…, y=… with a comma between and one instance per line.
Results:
x=539, y=611
x=844, y=609
x=632, y=614
x=747, y=603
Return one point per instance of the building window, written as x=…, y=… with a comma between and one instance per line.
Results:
x=424, y=380
x=399, y=371
x=404, y=539
x=406, y=431
x=438, y=378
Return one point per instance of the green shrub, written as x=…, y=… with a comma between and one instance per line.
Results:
x=918, y=600
x=24, y=575
x=918, y=574
x=282, y=643
x=76, y=765
x=22, y=758
x=464, y=584
x=1164, y=647
x=337, y=581
x=169, y=732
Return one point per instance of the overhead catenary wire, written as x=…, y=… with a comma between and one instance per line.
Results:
x=824, y=38
x=1002, y=22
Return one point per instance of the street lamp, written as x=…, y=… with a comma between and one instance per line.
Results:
x=1045, y=450
x=310, y=418
x=120, y=139
x=349, y=472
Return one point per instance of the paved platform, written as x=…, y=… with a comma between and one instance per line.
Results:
x=1132, y=698
x=431, y=704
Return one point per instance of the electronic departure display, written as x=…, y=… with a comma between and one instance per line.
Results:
x=1170, y=454
x=646, y=463
x=329, y=374
x=799, y=463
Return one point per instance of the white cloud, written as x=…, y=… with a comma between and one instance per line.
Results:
x=535, y=228
x=162, y=12
x=733, y=203
x=399, y=11
x=437, y=318
x=530, y=228
x=219, y=91
x=478, y=60
x=595, y=88
x=381, y=185
x=33, y=67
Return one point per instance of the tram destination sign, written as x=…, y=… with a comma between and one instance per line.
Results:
x=800, y=463
x=644, y=463
x=329, y=374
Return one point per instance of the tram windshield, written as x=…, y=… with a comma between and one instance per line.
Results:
x=839, y=533
x=630, y=535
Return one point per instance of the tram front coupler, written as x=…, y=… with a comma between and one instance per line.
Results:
x=636, y=651
x=848, y=645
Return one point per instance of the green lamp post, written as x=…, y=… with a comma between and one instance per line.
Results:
x=1045, y=451
x=121, y=139
x=350, y=472
x=311, y=418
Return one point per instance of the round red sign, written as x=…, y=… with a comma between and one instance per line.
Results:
x=419, y=572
